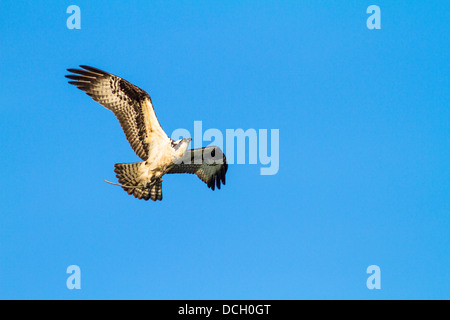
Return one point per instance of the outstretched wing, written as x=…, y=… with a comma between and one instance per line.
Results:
x=209, y=164
x=131, y=105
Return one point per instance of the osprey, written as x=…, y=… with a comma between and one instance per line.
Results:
x=160, y=154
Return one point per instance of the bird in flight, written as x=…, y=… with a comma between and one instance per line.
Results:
x=160, y=154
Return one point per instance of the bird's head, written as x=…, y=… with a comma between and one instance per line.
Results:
x=181, y=146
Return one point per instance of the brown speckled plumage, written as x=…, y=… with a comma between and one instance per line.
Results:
x=133, y=108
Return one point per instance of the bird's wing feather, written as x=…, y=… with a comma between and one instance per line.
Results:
x=131, y=105
x=209, y=164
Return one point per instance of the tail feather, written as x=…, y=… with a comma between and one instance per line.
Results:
x=128, y=175
x=156, y=191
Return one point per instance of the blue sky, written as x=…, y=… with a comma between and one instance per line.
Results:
x=363, y=179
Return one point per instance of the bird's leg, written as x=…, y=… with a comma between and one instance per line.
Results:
x=154, y=181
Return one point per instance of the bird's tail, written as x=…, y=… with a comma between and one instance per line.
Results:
x=128, y=175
